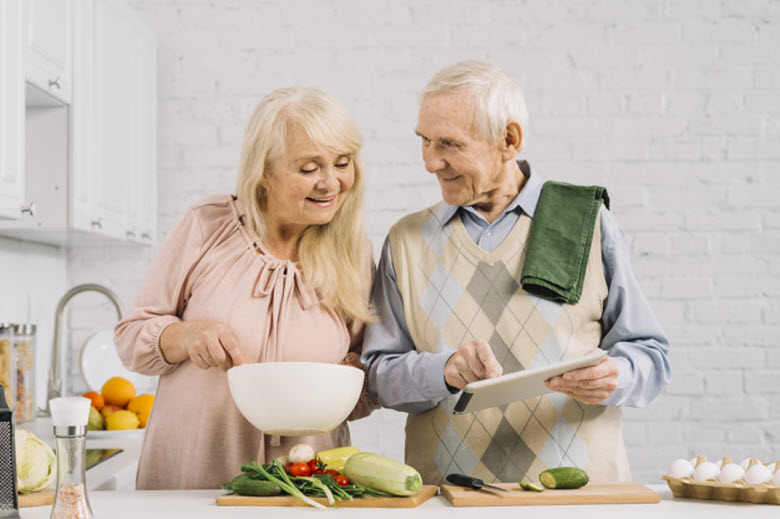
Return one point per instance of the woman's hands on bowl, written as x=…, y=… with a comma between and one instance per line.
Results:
x=207, y=344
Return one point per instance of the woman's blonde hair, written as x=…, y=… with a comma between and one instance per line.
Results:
x=334, y=258
x=498, y=98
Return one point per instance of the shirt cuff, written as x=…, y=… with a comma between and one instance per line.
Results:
x=434, y=375
x=625, y=376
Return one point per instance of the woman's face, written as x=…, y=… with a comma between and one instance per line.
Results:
x=308, y=184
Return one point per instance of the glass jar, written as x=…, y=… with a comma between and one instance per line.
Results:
x=24, y=353
x=8, y=364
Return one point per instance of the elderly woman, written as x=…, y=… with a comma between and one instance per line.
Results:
x=279, y=272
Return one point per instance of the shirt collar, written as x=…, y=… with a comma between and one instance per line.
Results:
x=525, y=200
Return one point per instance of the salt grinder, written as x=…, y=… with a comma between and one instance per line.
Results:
x=69, y=416
x=9, y=504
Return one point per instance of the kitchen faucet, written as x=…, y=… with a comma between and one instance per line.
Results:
x=54, y=386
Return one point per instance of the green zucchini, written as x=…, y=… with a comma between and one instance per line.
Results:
x=380, y=473
x=245, y=485
x=563, y=477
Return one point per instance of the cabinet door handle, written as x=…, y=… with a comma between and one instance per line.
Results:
x=96, y=224
x=29, y=208
x=130, y=233
x=55, y=82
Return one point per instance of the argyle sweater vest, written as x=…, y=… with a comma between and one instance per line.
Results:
x=454, y=292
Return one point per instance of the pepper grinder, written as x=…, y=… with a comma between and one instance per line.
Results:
x=69, y=416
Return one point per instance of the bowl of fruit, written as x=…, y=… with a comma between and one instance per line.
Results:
x=117, y=408
x=295, y=398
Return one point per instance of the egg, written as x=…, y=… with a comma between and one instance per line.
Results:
x=745, y=463
x=731, y=473
x=756, y=474
x=776, y=478
x=772, y=467
x=680, y=469
x=705, y=471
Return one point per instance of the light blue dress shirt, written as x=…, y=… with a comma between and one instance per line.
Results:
x=404, y=379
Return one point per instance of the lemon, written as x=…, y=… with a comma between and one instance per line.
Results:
x=121, y=420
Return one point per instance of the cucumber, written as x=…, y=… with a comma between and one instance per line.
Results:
x=380, y=473
x=245, y=485
x=530, y=486
x=563, y=477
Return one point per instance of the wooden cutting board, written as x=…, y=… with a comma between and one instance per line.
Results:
x=590, y=494
x=425, y=493
x=44, y=497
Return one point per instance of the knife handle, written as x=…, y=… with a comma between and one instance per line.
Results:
x=465, y=481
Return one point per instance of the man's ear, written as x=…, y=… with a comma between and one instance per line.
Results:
x=513, y=139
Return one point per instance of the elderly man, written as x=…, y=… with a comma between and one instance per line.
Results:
x=457, y=302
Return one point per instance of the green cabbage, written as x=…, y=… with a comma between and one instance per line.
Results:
x=36, y=465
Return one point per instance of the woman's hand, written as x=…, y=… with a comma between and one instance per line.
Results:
x=207, y=344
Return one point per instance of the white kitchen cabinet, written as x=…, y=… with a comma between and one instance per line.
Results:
x=114, y=123
x=11, y=109
x=92, y=161
x=49, y=28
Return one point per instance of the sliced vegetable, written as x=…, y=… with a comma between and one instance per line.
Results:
x=564, y=477
x=336, y=458
x=380, y=473
x=530, y=486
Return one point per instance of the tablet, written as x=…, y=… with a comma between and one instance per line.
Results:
x=520, y=385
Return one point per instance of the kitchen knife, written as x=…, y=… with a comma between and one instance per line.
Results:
x=469, y=482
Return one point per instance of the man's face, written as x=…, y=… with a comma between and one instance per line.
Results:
x=467, y=166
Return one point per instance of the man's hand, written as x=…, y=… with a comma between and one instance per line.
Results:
x=590, y=385
x=473, y=361
x=206, y=343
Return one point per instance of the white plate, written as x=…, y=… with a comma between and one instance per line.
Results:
x=99, y=361
x=108, y=435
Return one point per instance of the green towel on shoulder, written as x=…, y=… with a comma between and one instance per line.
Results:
x=559, y=243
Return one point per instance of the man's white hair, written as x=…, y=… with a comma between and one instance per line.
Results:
x=498, y=98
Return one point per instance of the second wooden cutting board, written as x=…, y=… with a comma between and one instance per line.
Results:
x=590, y=494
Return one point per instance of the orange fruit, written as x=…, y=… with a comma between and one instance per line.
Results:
x=97, y=399
x=121, y=420
x=142, y=406
x=118, y=391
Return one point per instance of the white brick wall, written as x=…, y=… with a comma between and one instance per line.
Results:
x=674, y=105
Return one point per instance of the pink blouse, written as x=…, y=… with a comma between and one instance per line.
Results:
x=212, y=267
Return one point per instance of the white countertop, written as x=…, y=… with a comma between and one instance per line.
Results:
x=115, y=473
x=202, y=503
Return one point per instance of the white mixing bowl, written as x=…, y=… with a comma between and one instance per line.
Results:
x=295, y=398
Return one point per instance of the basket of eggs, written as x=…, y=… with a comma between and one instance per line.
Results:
x=750, y=480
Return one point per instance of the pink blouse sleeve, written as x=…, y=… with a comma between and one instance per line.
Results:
x=160, y=300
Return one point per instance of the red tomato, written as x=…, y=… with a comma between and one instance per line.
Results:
x=313, y=466
x=300, y=469
x=341, y=480
x=332, y=472
x=287, y=466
